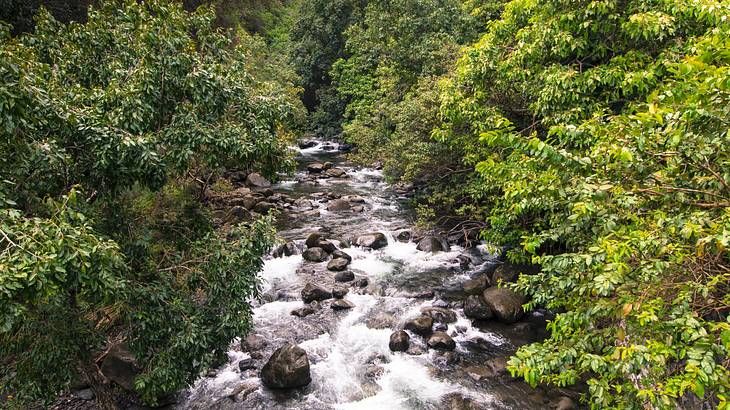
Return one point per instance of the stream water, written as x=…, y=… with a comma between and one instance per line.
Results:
x=352, y=366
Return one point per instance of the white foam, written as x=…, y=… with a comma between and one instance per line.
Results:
x=276, y=269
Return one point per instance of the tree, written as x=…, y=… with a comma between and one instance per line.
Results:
x=599, y=132
x=104, y=120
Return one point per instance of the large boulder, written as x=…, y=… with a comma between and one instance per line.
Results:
x=338, y=264
x=375, y=240
x=120, y=366
x=287, y=368
x=441, y=341
x=477, y=285
x=475, y=308
x=506, y=304
x=439, y=314
x=421, y=325
x=312, y=292
x=433, y=244
x=256, y=180
x=315, y=255
x=315, y=168
x=399, y=341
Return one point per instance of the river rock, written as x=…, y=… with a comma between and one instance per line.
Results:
x=433, y=244
x=313, y=239
x=403, y=236
x=302, y=311
x=505, y=273
x=237, y=214
x=303, y=203
x=336, y=172
x=344, y=276
x=362, y=283
x=307, y=144
x=475, y=308
x=256, y=180
x=374, y=240
x=120, y=366
x=264, y=207
x=506, y=304
x=438, y=314
x=339, y=292
x=313, y=292
x=399, y=341
x=338, y=205
x=287, y=368
x=246, y=364
x=315, y=255
x=287, y=249
x=327, y=245
x=340, y=254
x=441, y=341
x=476, y=286
x=315, y=168
x=341, y=304
x=421, y=325
x=338, y=264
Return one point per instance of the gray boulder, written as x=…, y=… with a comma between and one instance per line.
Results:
x=312, y=292
x=338, y=264
x=421, y=325
x=433, y=244
x=256, y=180
x=344, y=276
x=375, y=240
x=315, y=255
x=287, y=368
x=399, y=341
x=506, y=304
x=441, y=341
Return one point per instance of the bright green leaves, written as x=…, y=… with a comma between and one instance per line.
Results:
x=613, y=175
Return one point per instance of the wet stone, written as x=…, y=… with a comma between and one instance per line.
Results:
x=438, y=314
x=345, y=276
x=302, y=311
x=421, y=325
x=399, y=341
x=342, y=304
x=313, y=292
x=315, y=255
x=441, y=341
x=338, y=264
x=341, y=255
x=339, y=292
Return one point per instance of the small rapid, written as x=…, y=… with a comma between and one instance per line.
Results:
x=352, y=366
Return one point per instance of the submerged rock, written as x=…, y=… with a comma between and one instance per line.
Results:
x=421, y=325
x=287, y=368
x=302, y=311
x=441, y=341
x=399, y=341
x=506, y=304
x=374, y=240
x=312, y=293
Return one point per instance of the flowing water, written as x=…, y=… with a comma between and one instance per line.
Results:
x=351, y=364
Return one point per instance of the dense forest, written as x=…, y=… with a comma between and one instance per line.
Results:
x=587, y=139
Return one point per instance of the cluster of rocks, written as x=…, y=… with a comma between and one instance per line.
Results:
x=432, y=325
x=486, y=300
x=325, y=170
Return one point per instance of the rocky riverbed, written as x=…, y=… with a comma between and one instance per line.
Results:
x=361, y=311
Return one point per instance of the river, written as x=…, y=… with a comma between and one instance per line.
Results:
x=352, y=366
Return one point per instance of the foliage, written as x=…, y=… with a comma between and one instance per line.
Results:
x=95, y=119
x=599, y=132
x=318, y=41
